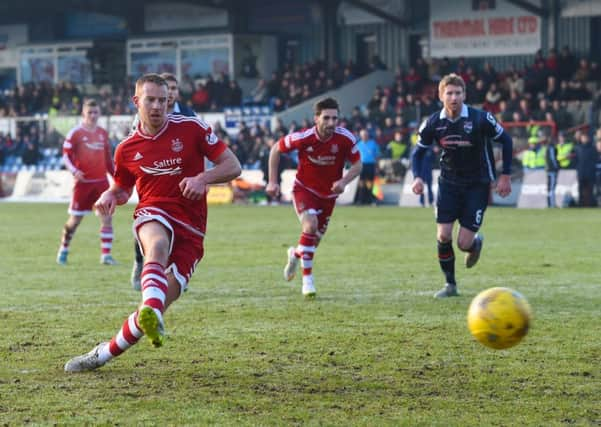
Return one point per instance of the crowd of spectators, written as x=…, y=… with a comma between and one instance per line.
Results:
x=287, y=87
x=553, y=88
x=64, y=98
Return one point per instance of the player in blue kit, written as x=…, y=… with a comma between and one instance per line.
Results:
x=467, y=172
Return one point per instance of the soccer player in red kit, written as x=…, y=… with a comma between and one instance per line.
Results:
x=87, y=155
x=175, y=108
x=323, y=151
x=164, y=158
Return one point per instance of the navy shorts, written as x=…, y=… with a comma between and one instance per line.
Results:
x=463, y=202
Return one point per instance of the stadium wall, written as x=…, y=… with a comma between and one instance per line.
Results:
x=392, y=42
x=575, y=32
x=529, y=192
x=56, y=187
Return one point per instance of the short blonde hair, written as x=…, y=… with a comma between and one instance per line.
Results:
x=450, y=79
x=149, y=78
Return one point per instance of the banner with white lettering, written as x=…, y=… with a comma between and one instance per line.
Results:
x=534, y=188
x=482, y=28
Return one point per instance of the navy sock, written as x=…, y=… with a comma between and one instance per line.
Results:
x=446, y=258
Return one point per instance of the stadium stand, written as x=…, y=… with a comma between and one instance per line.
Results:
x=558, y=88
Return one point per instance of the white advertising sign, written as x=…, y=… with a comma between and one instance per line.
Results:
x=482, y=28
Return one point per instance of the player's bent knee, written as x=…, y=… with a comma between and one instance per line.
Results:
x=309, y=223
x=465, y=244
x=444, y=238
x=463, y=247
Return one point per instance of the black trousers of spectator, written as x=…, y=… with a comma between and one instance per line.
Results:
x=585, y=192
x=366, y=181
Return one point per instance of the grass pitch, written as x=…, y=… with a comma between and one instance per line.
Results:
x=244, y=348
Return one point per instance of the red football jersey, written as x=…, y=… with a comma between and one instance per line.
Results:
x=156, y=165
x=320, y=163
x=88, y=151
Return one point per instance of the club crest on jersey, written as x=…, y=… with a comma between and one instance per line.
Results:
x=177, y=145
x=334, y=148
x=468, y=127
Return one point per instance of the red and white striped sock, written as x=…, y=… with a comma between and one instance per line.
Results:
x=154, y=286
x=106, y=240
x=306, y=249
x=66, y=238
x=129, y=334
x=154, y=293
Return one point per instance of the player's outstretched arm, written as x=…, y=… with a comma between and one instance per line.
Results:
x=352, y=173
x=108, y=201
x=227, y=167
x=273, y=188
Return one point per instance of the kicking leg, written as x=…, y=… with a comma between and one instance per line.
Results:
x=158, y=292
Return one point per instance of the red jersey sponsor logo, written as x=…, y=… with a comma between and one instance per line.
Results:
x=165, y=167
x=98, y=146
x=323, y=160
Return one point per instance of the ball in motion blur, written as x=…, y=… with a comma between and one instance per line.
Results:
x=499, y=317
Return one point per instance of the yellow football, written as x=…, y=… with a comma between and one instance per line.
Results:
x=499, y=317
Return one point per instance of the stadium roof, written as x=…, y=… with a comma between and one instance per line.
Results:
x=29, y=10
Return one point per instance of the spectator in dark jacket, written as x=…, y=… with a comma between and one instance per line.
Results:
x=30, y=151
